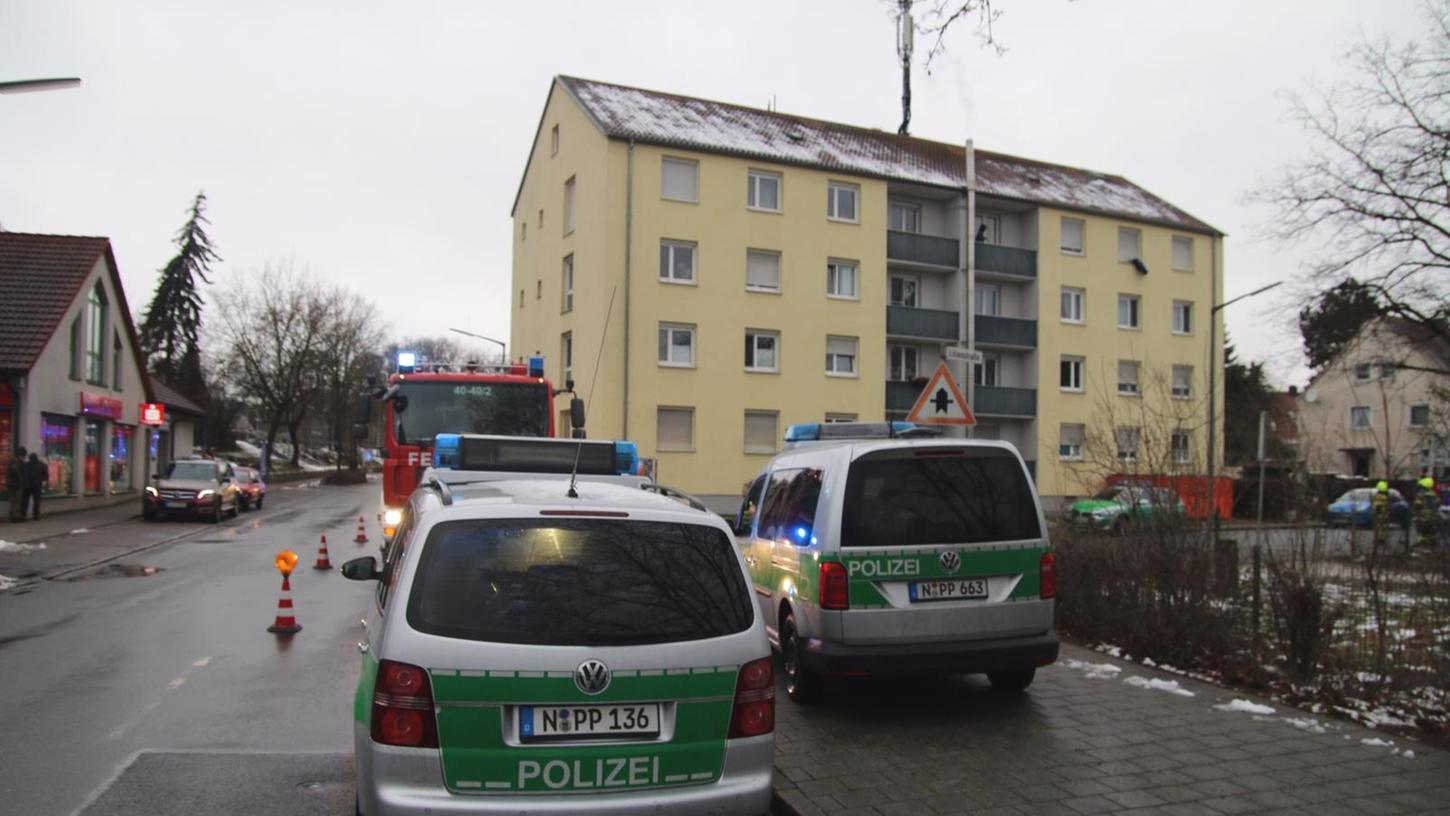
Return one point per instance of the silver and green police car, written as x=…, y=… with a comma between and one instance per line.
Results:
x=873, y=554
x=532, y=651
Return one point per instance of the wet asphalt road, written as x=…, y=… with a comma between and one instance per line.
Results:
x=164, y=693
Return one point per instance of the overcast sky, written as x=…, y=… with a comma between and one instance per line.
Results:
x=380, y=144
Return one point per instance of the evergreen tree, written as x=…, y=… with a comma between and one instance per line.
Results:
x=171, y=326
x=1246, y=392
x=1334, y=318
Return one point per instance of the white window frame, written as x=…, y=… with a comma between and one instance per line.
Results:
x=1363, y=372
x=1077, y=369
x=1123, y=433
x=668, y=331
x=1182, y=454
x=1410, y=418
x=752, y=190
x=554, y=141
x=1135, y=312
x=904, y=207
x=752, y=345
x=1368, y=411
x=660, y=445
x=1183, y=317
x=984, y=289
x=566, y=354
x=1067, y=450
x=675, y=161
x=667, y=271
x=915, y=281
x=1183, y=392
x=991, y=365
x=570, y=193
x=763, y=253
x=905, y=353
x=833, y=359
x=567, y=274
x=1075, y=298
x=1137, y=236
x=993, y=223
x=833, y=276
x=774, y=447
x=1135, y=387
x=1179, y=241
x=834, y=190
x=840, y=417
x=1081, y=248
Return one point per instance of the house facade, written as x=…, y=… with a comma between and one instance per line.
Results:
x=744, y=270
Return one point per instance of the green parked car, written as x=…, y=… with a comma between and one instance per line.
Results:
x=1117, y=506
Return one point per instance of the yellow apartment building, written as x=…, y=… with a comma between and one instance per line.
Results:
x=708, y=274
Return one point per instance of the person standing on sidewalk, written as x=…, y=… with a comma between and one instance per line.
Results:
x=1380, y=508
x=36, y=478
x=14, y=477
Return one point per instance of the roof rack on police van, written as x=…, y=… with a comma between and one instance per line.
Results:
x=445, y=493
x=832, y=431
x=675, y=493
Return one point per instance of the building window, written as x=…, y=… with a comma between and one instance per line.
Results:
x=1387, y=370
x=1182, y=317
x=677, y=345
x=989, y=229
x=989, y=299
x=1127, y=376
x=763, y=191
x=521, y=298
x=1127, y=437
x=675, y=429
x=762, y=270
x=1129, y=316
x=841, y=356
x=116, y=367
x=1363, y=372
x=541, y=218
x=677, y=262
x=1072, y=236
x=841, y=201
x=1182, y=253
x=569, y=206
x=1181, y=447
x=841, y=279
x=903, y=290
x=1070, y=438
x=903, y=363
x=761, y=350
x=538, y=290
x=566, y=354
x=985, y=372
x=568, y=283
x=1070, y=374
x=75, y=348
x=121, y=457
x=1359, y=417
x=96, y=337
x=905, y=217
x=1420, y=415
x=1130, y=244
x=761, y=431
x=680, y=180
x=1182, y=382
x=523, y=231
x=841, y=417
x=554, y=141
x=1071, y=307
x=58, y=450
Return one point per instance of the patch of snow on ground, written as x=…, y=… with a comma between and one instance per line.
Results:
x=1376, y=742
x=1110, y=650
x=1408, y=754
x=1148, y=661
x=1306, y=724
x=1245, y=707
x=6, y=582
x=1170, y=686
x=80, y=531
x=11, y=546
x=1094, y=671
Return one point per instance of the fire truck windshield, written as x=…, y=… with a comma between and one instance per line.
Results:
x=507, y=409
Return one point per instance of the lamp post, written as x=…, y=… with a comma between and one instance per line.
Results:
x=1214, y=360
x=502, y=349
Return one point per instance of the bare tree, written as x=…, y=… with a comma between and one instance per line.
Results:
x=349, y=353
x=1374, y=189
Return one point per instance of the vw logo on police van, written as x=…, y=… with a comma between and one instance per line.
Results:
x=591, y=676
x=950, y=561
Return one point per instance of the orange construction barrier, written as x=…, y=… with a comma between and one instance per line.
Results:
x=362, y=533
x=286, y=623
x=323, y=562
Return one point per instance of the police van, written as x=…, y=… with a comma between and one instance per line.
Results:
x=874, y=551
x=550, y=644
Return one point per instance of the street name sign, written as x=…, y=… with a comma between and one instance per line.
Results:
x=964, y=353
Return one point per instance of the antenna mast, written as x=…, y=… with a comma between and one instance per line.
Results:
x=905, y=31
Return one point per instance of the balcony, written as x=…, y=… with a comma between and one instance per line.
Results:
x=998, y=401
x=1006, y=260
x=901, y=396
x=1005, y=331
x=931, y=324
x=930, y=250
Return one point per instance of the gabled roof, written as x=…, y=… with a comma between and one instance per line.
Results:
x=173, y=399
x=1385, y=336
x=652, y=117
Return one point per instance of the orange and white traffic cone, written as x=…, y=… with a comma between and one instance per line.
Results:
x=323, y=562
x=362, y=533
x=286, y=623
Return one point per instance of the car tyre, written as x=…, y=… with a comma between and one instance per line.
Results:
x=147, y=514
x=259, y=502
x=243, y=503
x=1012, y=681
x=803, y=685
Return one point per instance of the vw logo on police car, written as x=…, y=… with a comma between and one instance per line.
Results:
x=950, y=561
x=591, y=676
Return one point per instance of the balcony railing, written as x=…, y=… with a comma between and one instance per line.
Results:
x=998, y=401
x=901, y=396
x=923, y=249
x=1006, y=331
x=1007, y=260
x=935, y=324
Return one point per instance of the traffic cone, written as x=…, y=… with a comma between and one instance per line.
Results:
x=323, y=562
x=286, y=623
x=362, y=533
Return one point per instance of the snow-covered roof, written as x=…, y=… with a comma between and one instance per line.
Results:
x=700, y=124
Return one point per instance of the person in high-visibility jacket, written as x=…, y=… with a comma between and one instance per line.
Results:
x=1427, y=511
x=1380, y=507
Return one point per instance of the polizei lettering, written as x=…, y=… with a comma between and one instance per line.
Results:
x=581, y=774
x=877, y=568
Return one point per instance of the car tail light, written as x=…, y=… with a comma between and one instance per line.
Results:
x=754, y=710
x=1047, y=576
x=834, y=591
x=403, y=707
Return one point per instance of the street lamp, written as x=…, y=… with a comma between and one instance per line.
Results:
x=1213, y=391
x=28, y=85
x=503, y=349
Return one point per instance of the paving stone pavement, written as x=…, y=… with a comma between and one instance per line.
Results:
x=1078, y=745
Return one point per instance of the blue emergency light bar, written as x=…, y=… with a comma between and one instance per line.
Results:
x=821, y=431
x=516, y=454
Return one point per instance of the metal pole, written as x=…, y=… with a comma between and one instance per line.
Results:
x=1257, y=593
x=969, y=308
x=1263, y=433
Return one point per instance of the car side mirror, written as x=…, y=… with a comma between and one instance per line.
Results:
x=576, y=413
x=361, y=569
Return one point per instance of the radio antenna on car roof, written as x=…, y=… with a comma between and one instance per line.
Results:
x=594, y=378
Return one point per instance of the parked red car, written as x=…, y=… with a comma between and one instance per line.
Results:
x=251, y=490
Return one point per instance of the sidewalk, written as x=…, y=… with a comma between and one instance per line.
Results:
x=52, y=525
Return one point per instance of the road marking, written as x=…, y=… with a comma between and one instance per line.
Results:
x=202, y=663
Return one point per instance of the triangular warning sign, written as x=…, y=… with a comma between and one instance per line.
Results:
x=941, y=402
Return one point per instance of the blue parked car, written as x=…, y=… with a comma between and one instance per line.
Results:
x=1355, y=507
